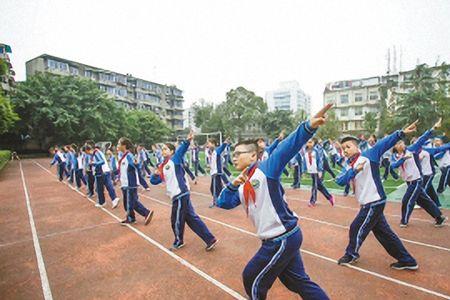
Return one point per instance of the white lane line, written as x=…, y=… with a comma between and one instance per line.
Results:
x=37, y=247
x=336, y=205
x=321, y=256
x=182, y=261
x=387, y=278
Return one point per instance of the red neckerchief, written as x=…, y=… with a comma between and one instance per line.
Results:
x=249, y=191
x=355, y=159
x=122, y=158
x=161, y=167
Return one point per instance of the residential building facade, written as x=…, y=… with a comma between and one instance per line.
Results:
x=6, y=73
x=127, y=90
x=289, y=96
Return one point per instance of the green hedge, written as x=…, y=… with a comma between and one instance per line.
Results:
x=5, y=155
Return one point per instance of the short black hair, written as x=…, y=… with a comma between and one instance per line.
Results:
x=127, y=143
x=170, y=146
x=212, y=141
x=349, y=138
x=250, y=143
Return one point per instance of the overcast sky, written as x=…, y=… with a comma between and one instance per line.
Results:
x=209, y=47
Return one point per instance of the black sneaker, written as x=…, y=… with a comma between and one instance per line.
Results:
x=405, y=266
x=176, y=246
x=347, y=260
x=127, y=222
x=440, y=221
x=212, y=245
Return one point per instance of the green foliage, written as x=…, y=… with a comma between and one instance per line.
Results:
x=7, y=115
x=370, y=122
x=63, y=109
x=5, y=155
x=274, y=122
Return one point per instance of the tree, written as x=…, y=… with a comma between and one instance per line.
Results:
x=145, y=127
x=276, y=121
x=442, y=99
x=7, y=115
x=203, y=112
x=370, y=122
x=242, y=107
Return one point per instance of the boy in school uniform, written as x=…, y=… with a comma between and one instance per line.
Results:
x=79, y=176
x=314, y=166
x=60, y=160
x=259, y=189
x=407, y=160
x=363, y=170
x=216, y=168
x=172, y=173
x=129, y=183
x=195, y=159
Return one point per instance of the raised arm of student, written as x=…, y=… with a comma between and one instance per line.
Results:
x=229, y=197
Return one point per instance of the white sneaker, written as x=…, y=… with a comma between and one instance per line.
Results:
x=115, y=202
x=99, y=205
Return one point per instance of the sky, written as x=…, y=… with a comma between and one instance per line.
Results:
x=208, y=47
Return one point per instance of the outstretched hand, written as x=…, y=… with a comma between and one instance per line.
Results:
x=438, y=124
x=190, y=136
x=242, y=178
x=320, y=118
x=411, y=128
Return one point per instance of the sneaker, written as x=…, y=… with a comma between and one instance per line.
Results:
x=148, y=218
x=347, y=260
x=310, y=204
x=440, y=222
x=403, y=225
x=345, y=194
x=417, y=207
x=176, y=247
x=99, y=205
x=212, y=245
x=127, y=222
x=115, y=202
x=212, y=205
x=147, y=189
x=405, y=266
x=332, y=200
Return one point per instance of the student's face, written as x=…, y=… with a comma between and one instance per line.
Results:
x=211, y=145
x=350, y=148
x=438, y=142
x=371, y=141
x=88, y=151
x=400, y=146
x=166, y=152
x=310, y=144
x=243, y=157
x=261, y=144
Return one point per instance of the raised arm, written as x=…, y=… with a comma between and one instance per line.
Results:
x=383, y=145
x=437, y=150
x=180, y=152
x=229, y=197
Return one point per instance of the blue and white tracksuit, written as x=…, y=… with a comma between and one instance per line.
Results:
x=178, y=190
x=196, y=161
x=90, y=178
x=141, y=158
x=72, y=165
x=313, y=164
x=216, y=171
x=276, y=225
x=411, y=172
x=325, y=163
x=79, y=176
x=443, y=161
x=428, y=171
x=102, y=176
x=297, y=163
x=60, y=160
x=129, y=183
x=371, y=196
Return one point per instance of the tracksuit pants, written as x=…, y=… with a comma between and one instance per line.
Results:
x=132, y=204
x=100, y=188
x=416, y=194
x=427, y=182
x=326, y=167
x=79, y=178
x=317, y=184
x=444, y=181
x=107, y=180
x=216, y=186
x=90, y=179
x=371, y=218
x=142, y=178
x=188, y=171
x=182, y=213
x=280, y=258
x=198, y=168
x=297, y=177
x=386, y=163
x=61, y=171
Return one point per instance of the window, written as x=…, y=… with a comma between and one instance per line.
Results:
x=358, y=97
x=74, y=71
x=358, y=111
x=88, y=73
x=107, y=77
x=373, y=95
x=344, y=99
x=52, y=64
x=121, y=92
x=110, y=90
x=56, y=65
x=344, y=112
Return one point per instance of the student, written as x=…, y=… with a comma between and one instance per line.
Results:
x=195, y=150
x=297, y=164
x=407, y=159
x=428, y=171
x=60, y=160
x=90, y=178
x=112, y=162
x=102, y=174
x=265, y=150
x=259, y=189
x=314, y=166
x=129, y=182
x=325, y=163
x=78, y=167
x=443, y=161
x=172, y=173
x=363, y=170
x=71, y=163
x=386, y=163
x=216, y=170
x=141, y=157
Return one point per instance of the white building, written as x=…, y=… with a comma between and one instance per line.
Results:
x=289, y=96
